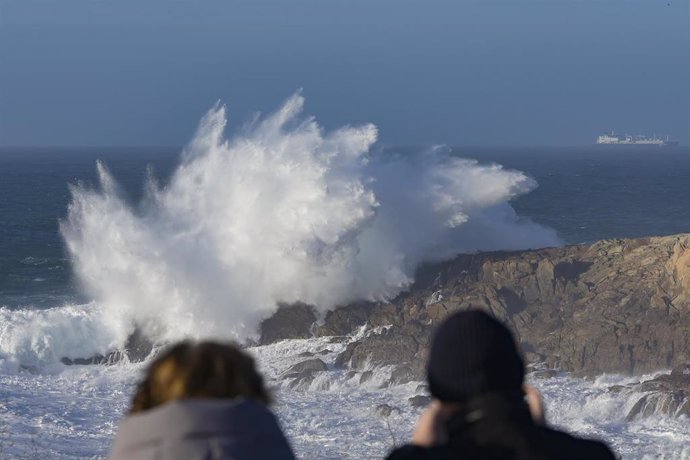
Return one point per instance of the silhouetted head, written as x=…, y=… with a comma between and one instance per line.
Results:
x=472, y=353
x=203, y=370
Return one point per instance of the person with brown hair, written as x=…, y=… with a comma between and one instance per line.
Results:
x=481, y=407
x=201, y=401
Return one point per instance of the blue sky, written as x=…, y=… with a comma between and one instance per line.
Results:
x=486, y=72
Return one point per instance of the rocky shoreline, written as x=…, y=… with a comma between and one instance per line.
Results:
x=615, y=306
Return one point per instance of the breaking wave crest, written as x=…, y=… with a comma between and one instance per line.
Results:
x=282, y=212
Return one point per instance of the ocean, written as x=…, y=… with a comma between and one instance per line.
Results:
x=585, y=193
x=205, y=241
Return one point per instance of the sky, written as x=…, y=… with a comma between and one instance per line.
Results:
x=485, y=72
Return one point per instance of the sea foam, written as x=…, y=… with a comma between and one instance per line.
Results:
x=75, y=413
x=282, y=212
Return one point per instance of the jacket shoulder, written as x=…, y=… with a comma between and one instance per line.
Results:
x=408, y=452
x=565, y=446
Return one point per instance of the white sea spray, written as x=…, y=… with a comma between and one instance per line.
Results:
x=282, y=212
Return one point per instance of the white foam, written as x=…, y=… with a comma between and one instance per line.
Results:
x=40, y=338
x=282, y=212
x=591, y=409
x=74, y=412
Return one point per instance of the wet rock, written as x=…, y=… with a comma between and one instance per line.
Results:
x=33, y=370
x=137, y=348
x=543, y=374
x=618, y=306
x=305, y=382
x=402, y=351
x=305, y=354
x=385, y=314
x=534, y=360
x=388, y=347
x=617, y=388
x=681, y=371
x=288, y=322
x=343, y=359
x=419, y=401
x=310, y=365
x=300, y=381
x=344, y=320
x=386, y=410
x=404, y=373
x=338, y=339
x=302, y=374
x=365, y=376
x=677, y=380
x=673, y=404
x=585, y=374
x=111, y=358
x=666, y=394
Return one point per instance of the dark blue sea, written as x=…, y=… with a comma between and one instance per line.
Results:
x=584, y=193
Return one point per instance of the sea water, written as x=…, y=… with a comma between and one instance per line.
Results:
x=73, y=412
x=176, y=239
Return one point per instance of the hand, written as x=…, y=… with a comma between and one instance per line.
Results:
x=430, y=430
x=535, y=404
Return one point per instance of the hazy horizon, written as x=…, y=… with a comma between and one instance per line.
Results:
x=465, y=73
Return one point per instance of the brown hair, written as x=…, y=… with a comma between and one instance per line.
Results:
x=203, y=370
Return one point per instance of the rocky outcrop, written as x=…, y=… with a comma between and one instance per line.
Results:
x=666, y=394
x=302, y=374
x=289, y=322
x=308, y=366
x=385, y=410
x=419, y=401
x=404, y=347
x=137, y=348
x=612, y=306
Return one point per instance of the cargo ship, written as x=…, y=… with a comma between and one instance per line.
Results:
x=627, y=139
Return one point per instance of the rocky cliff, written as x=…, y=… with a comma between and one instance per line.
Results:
x=613, y=306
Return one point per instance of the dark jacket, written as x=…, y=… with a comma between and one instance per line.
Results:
x=202, y=429
x=496, y=430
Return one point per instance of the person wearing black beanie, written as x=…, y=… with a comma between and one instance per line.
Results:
x=481, y=408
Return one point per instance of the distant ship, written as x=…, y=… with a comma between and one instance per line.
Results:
x=627, y=139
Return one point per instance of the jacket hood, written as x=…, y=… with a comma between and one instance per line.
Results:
x=202, y=428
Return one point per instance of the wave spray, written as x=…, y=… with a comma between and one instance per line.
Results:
x=282, y=212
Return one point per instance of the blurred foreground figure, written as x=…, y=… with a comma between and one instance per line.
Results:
x=201, y=401
x=481, y=410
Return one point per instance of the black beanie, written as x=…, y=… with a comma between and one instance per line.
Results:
x=473, y=353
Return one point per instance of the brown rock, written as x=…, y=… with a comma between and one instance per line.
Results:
x=543, y=374
x=302, y=374
x=345, y=320
x=137, y=348
x=288, y=322
x=612, y=306
x=310, y=365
